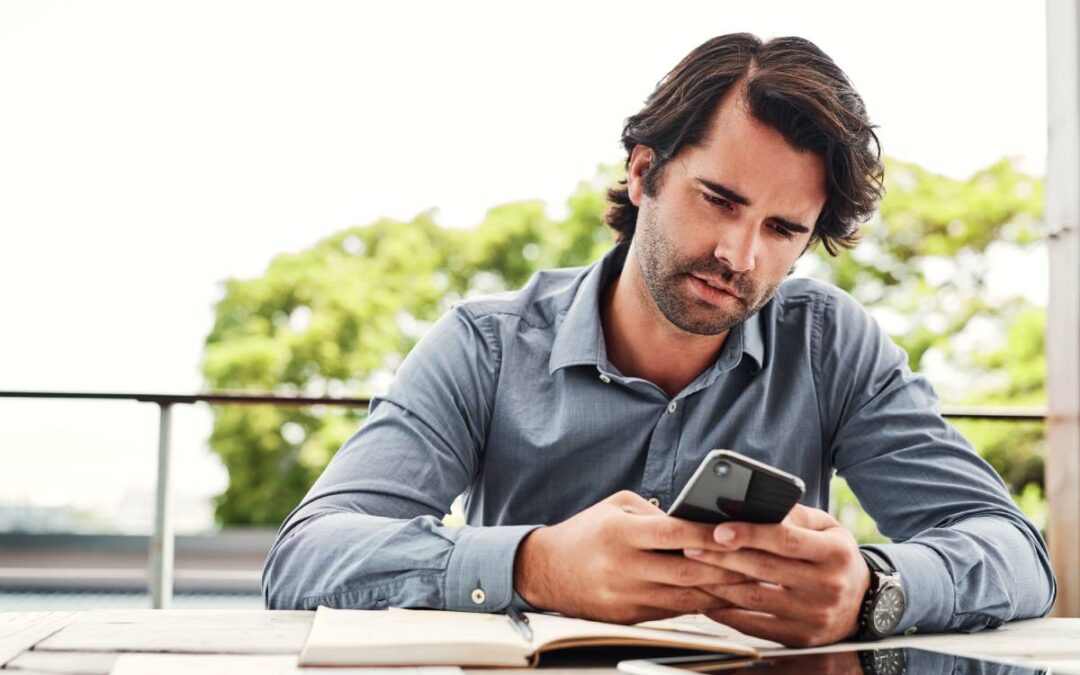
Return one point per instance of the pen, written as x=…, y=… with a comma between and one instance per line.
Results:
x=521, y=623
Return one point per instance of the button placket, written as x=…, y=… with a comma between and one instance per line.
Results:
x=659, y=464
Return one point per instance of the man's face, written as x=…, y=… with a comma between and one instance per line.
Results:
x=710, y=262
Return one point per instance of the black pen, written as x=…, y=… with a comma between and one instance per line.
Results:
x=521, y=623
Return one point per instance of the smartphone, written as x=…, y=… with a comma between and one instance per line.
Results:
x=729, y=486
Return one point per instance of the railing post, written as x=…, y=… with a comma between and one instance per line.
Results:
x=161, y=544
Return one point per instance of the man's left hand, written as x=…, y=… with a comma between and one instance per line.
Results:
x=807, y=578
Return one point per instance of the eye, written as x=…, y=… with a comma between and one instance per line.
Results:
x=717, y=201
x=781, y=230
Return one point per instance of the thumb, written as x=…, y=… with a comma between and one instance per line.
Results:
x=811, y=518
x=631, y=502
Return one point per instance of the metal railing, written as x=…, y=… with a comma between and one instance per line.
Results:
x=162, y=541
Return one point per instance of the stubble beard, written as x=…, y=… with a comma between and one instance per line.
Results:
x=665, y=273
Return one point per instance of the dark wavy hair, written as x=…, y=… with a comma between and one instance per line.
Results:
x=789, y=84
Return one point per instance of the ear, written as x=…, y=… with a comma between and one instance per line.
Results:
x=641, y=158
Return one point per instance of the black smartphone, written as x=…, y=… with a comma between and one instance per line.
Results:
x=729, y=486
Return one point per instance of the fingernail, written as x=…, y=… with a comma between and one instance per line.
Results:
x=723, y=534
x=693, y=552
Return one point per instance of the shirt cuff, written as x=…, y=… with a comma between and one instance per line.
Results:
x=929, y=591
x=480, y=573
x=521, y=604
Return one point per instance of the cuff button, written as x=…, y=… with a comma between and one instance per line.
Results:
x=479, y=596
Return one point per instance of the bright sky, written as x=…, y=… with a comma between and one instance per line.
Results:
x=150, y=150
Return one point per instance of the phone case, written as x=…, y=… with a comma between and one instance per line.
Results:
x=729, y=486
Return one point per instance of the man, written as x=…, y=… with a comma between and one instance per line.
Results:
x=583, y=402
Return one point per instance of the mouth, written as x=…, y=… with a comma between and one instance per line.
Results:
x=714, y=285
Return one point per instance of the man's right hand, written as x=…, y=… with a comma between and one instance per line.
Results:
x=606, y=564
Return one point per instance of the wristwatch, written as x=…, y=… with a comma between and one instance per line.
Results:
x=884, y=602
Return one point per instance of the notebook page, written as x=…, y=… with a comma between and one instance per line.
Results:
x=412, y=637
x=551, y=629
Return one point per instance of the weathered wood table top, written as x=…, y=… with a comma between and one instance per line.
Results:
x=238, y=641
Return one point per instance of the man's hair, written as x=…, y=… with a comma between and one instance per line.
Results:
x=790, y=85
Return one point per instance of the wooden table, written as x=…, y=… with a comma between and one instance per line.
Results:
x=237, y=641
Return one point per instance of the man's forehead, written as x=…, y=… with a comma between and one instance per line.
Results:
x=746, y=155
x=734, y=125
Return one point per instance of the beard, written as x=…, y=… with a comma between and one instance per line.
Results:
x=665, y=273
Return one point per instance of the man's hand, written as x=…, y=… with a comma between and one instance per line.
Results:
x=606, y=564
x=806, y=578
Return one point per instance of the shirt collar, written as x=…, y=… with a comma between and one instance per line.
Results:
x=579, y=336
x=753, y=337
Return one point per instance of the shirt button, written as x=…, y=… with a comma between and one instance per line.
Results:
x=604, y=378
x=671, y=406
x=479, y=596
x=654, y=501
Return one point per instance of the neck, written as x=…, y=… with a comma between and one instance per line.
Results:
x=642, y=343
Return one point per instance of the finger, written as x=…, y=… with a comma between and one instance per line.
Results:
x=762, y=566
x=681, y=600
x=763, y=597
x=664, y=568
x=786, y=539
x=759, y=624
x=662, y=532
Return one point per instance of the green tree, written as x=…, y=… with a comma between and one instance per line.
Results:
x=321, y=322
x=923, y=262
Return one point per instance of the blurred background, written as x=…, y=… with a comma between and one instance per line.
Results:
x=266, y=196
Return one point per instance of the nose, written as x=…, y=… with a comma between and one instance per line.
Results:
x=738, y=247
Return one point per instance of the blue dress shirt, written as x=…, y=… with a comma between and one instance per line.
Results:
x=512, y=401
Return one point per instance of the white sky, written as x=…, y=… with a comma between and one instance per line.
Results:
x=150, y=150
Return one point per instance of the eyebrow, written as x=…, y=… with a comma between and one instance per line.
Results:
x=731, y=195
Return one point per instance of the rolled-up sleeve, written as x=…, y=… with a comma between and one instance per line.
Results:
x=369, y=533
x=967, y=556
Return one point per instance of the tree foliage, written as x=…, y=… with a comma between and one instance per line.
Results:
x=338, y=318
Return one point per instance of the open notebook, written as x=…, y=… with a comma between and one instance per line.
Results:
x=418, y=637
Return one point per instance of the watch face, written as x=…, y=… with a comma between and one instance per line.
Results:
x=888, y=610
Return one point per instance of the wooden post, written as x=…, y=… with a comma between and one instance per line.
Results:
x=1062, y=214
